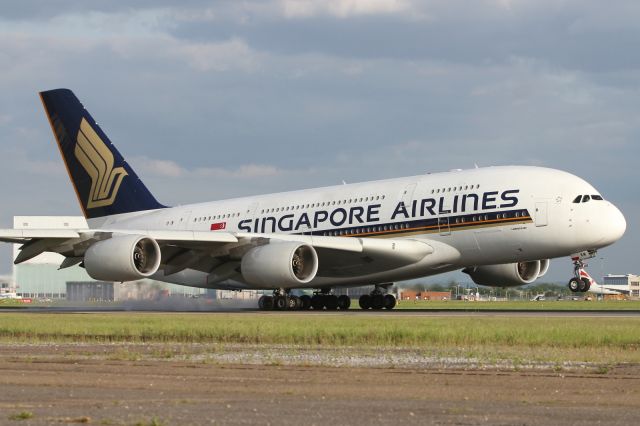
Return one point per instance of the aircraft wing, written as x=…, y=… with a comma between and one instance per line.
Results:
x=208, y=251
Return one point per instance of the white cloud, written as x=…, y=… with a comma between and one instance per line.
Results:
x=222, y=56
x=145, y=165
x=342, y=8
x=171, y=169
x=247, y=171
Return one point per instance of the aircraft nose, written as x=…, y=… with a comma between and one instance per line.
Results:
x=617, y=224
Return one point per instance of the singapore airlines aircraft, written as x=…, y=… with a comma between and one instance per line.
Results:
x=500, y=225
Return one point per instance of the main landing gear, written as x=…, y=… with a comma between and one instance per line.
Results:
x=581, y=282
x=282, y=300
x=377, y=299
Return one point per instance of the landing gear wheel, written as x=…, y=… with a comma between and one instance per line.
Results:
x=389, y=301
x=331, y=302
x=587, y=284
x=377, y=301
x=365, y=301
x=344, y=302
x=305, y=300
x=281, y=303
x=582, y=286
x=574, y=285
x=294, y=302
x=265, y=303
x=317, y=302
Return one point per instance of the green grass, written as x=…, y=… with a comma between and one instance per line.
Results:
x=12, y=304
x=23, y=415
x=298, y=329
x=547, y=305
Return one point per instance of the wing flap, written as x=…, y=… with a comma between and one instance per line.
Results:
x=172, y=236
x=18, y=235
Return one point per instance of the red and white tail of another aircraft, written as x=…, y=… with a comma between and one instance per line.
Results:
x=596, y=288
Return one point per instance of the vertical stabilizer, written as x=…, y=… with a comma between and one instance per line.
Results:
x=104, y=183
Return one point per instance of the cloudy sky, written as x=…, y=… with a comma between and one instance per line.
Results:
x=215, y=99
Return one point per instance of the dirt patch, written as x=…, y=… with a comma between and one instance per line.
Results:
x=115, y=384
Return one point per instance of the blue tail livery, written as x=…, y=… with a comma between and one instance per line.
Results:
x=104, y=183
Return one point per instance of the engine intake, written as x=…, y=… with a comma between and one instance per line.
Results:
x=508, y=274
x=123, y=258
x=280, y=264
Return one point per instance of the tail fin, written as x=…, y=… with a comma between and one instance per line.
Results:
x=105, y=184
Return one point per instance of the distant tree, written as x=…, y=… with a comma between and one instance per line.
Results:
x=436, y=287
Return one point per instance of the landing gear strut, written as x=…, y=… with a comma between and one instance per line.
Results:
x=377, y=299
x=581, y=282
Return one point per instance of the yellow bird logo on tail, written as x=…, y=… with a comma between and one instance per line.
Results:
x=97, y=160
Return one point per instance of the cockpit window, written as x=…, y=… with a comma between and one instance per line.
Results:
x=578, y=199
x=597, y=197
x=585, y=198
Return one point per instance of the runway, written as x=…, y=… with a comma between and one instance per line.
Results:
x=592, y=313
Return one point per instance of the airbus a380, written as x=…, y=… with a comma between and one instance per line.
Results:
x=500, y=225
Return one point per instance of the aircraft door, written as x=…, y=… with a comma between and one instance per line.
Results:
x=185, y=220
x=407, y=195
x=252, y=212
x=541, y=214
x=443, y=226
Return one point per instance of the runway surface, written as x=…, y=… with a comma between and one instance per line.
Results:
x=56, y=385
x=350, y=312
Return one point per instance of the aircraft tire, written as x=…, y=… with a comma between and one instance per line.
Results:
x=306, y=302
x=574, y=285
x=377, y=302
x=344, y=302
x=582, y=286
x=331, y=302
x=293, y=303
x=281, y=303
x=267, y=303
x=587, y=284
x=365, y=301
x=389, y=301
x=317, y=302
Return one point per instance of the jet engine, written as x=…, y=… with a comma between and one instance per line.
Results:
x=508, y=274
x=280, y=264
x=123, y=258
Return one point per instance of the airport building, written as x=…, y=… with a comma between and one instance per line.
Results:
x=627, y=284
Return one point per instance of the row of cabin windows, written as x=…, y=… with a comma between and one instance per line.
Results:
x=323, y=204
x=367, y=229
x=455, y=188
x=481, y=217
x=216, y=217
x=400, y=226
x=204, y=218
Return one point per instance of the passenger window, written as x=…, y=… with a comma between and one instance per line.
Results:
x=578, y=199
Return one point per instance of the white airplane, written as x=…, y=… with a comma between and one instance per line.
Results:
x=589, y=284
x=501, y=225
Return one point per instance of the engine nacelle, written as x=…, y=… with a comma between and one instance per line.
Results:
x=123, y=258
x=508, y=274
x=280, y=264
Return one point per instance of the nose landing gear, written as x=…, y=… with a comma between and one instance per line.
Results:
x=581, y=282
